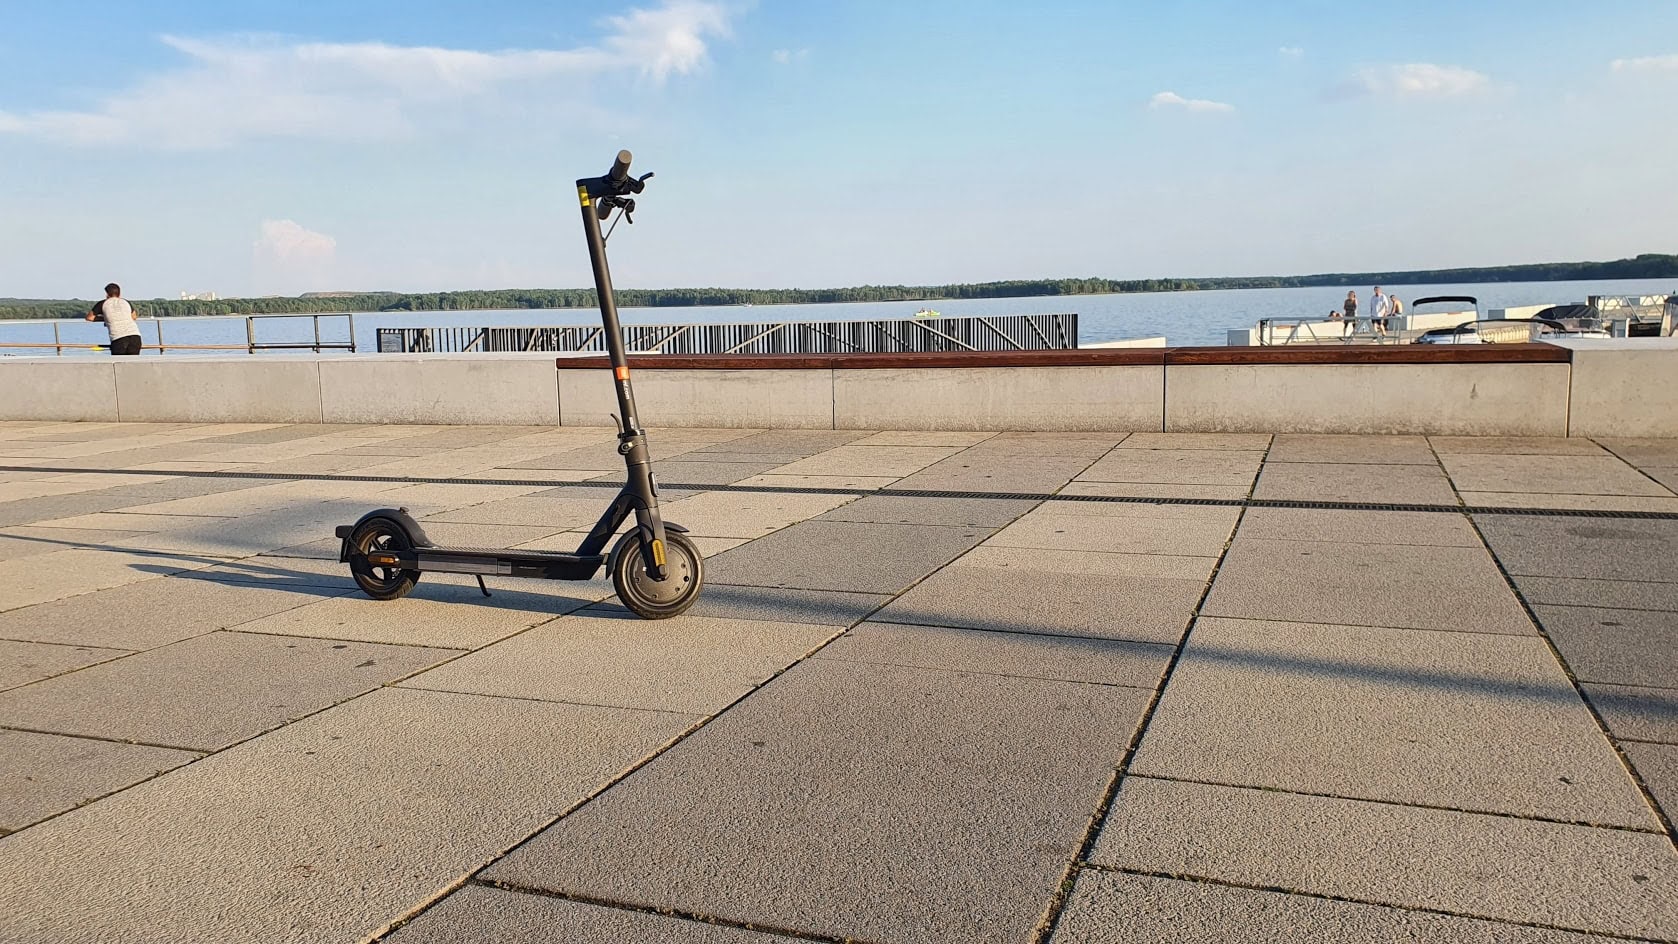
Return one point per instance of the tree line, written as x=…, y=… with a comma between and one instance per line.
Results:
x=1646, y=266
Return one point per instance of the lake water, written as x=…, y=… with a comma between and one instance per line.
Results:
x=1183, y=318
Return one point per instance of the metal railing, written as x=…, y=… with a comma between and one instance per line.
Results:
x=1055, y=332
x=1637, y=315
x=58, y=345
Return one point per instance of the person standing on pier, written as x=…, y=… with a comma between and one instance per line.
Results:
x=1351, y=309
x=118, y=316
x=1380, y=307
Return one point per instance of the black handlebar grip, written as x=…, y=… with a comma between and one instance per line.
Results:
x=620, y=169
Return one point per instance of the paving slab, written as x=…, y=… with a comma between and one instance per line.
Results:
x=60, y=574
x=806, y=442
x=1623, y=647
x=1379, y=450
x=1245, y=442
x=1515, y=446
x=443, y=610
x=1355, y=526
x=1175, y=467
x=155, y=613
x=1230, y=493
x=1447, y=588
x=279, y=572
x=678, y=472
x=210, y=691
x=866, y=801
x=1638, y=503
x=848, y=556
x=688, y=664
x=1667, y=477
x=45, y=774
x=856, y=459
x=1122, y=528
x=305, y=816
x=1113, y=907
x=1613, y=594
x=779, y=604
x=1633, y=713
x=478, y=913
x=1098, y=661
x=1644, y=452
x=1140, y=609
x=1089, y=564
x=948, y=512
x=1460, y=720
x=1581, y=878
x=747, y=514
x=910, y=437
x=287, y=433
x=25, y=662
x=1617, y=549
x=973, y=471
x=21, y=542
x=1086, y=446
x=1549, y=474
x=1657, y=764
x=847, y=482
x=1354, y=482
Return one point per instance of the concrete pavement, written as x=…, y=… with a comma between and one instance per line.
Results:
x=1244, y=704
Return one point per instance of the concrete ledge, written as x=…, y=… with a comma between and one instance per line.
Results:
x=485, y=390
x=53, y=389
x=1449, y=399
x=1625, y=388
x=218, y=390
x=1024, y=398
x=777, y=399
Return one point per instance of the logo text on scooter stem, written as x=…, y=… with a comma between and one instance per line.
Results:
x=582, y=194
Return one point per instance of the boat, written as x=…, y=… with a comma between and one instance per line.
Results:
x=926, y=313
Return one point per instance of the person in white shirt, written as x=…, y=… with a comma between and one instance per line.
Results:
x=118, y=316
x=1380, y=308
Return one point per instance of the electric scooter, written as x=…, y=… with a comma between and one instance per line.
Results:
x=656, y=569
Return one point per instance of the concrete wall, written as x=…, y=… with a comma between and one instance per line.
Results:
x=1452, y=399
x=1612, y=388
x=1624, y=387
x=1007, y=398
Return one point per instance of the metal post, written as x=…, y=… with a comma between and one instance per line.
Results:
x=316, y=320
x=57, y=345
x=352, y=333
x=159, y=323
x=250, y=334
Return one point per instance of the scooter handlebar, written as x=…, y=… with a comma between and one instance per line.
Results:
x=620, y=168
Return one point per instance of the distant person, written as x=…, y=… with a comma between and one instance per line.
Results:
x=118, y=316
x=1351, y=311
x=1380, y=308
x=1398, y=310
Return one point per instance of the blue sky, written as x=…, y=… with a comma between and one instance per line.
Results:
x=280, y=147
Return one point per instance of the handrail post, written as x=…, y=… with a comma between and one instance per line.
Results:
x=250, y=334
x=158, y=322
x=352, y=332
x=316, y=320
x=57, y=344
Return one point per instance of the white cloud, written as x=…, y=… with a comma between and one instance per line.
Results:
x=1416, y=80
x=788, y=56
x=1647, y=64
x=1290, y=52
x=242, y=88
x=1173, y=100
x=286, y=242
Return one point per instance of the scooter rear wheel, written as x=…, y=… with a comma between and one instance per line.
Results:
x=379, y=582
x=657, y=599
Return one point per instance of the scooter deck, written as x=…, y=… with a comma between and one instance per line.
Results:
x=482, y=561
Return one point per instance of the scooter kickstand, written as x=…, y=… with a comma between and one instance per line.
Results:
x=481, y=584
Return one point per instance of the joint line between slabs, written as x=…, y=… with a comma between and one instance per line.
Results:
x=1167, y=778
x=1649, y=800
x=1050, y=919
x=1344, y=899
x=676, y=913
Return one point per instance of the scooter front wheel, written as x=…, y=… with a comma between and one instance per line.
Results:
x=657, y=599
x=377, y=581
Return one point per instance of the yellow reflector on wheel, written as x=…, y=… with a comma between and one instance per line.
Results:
x=658, y=552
